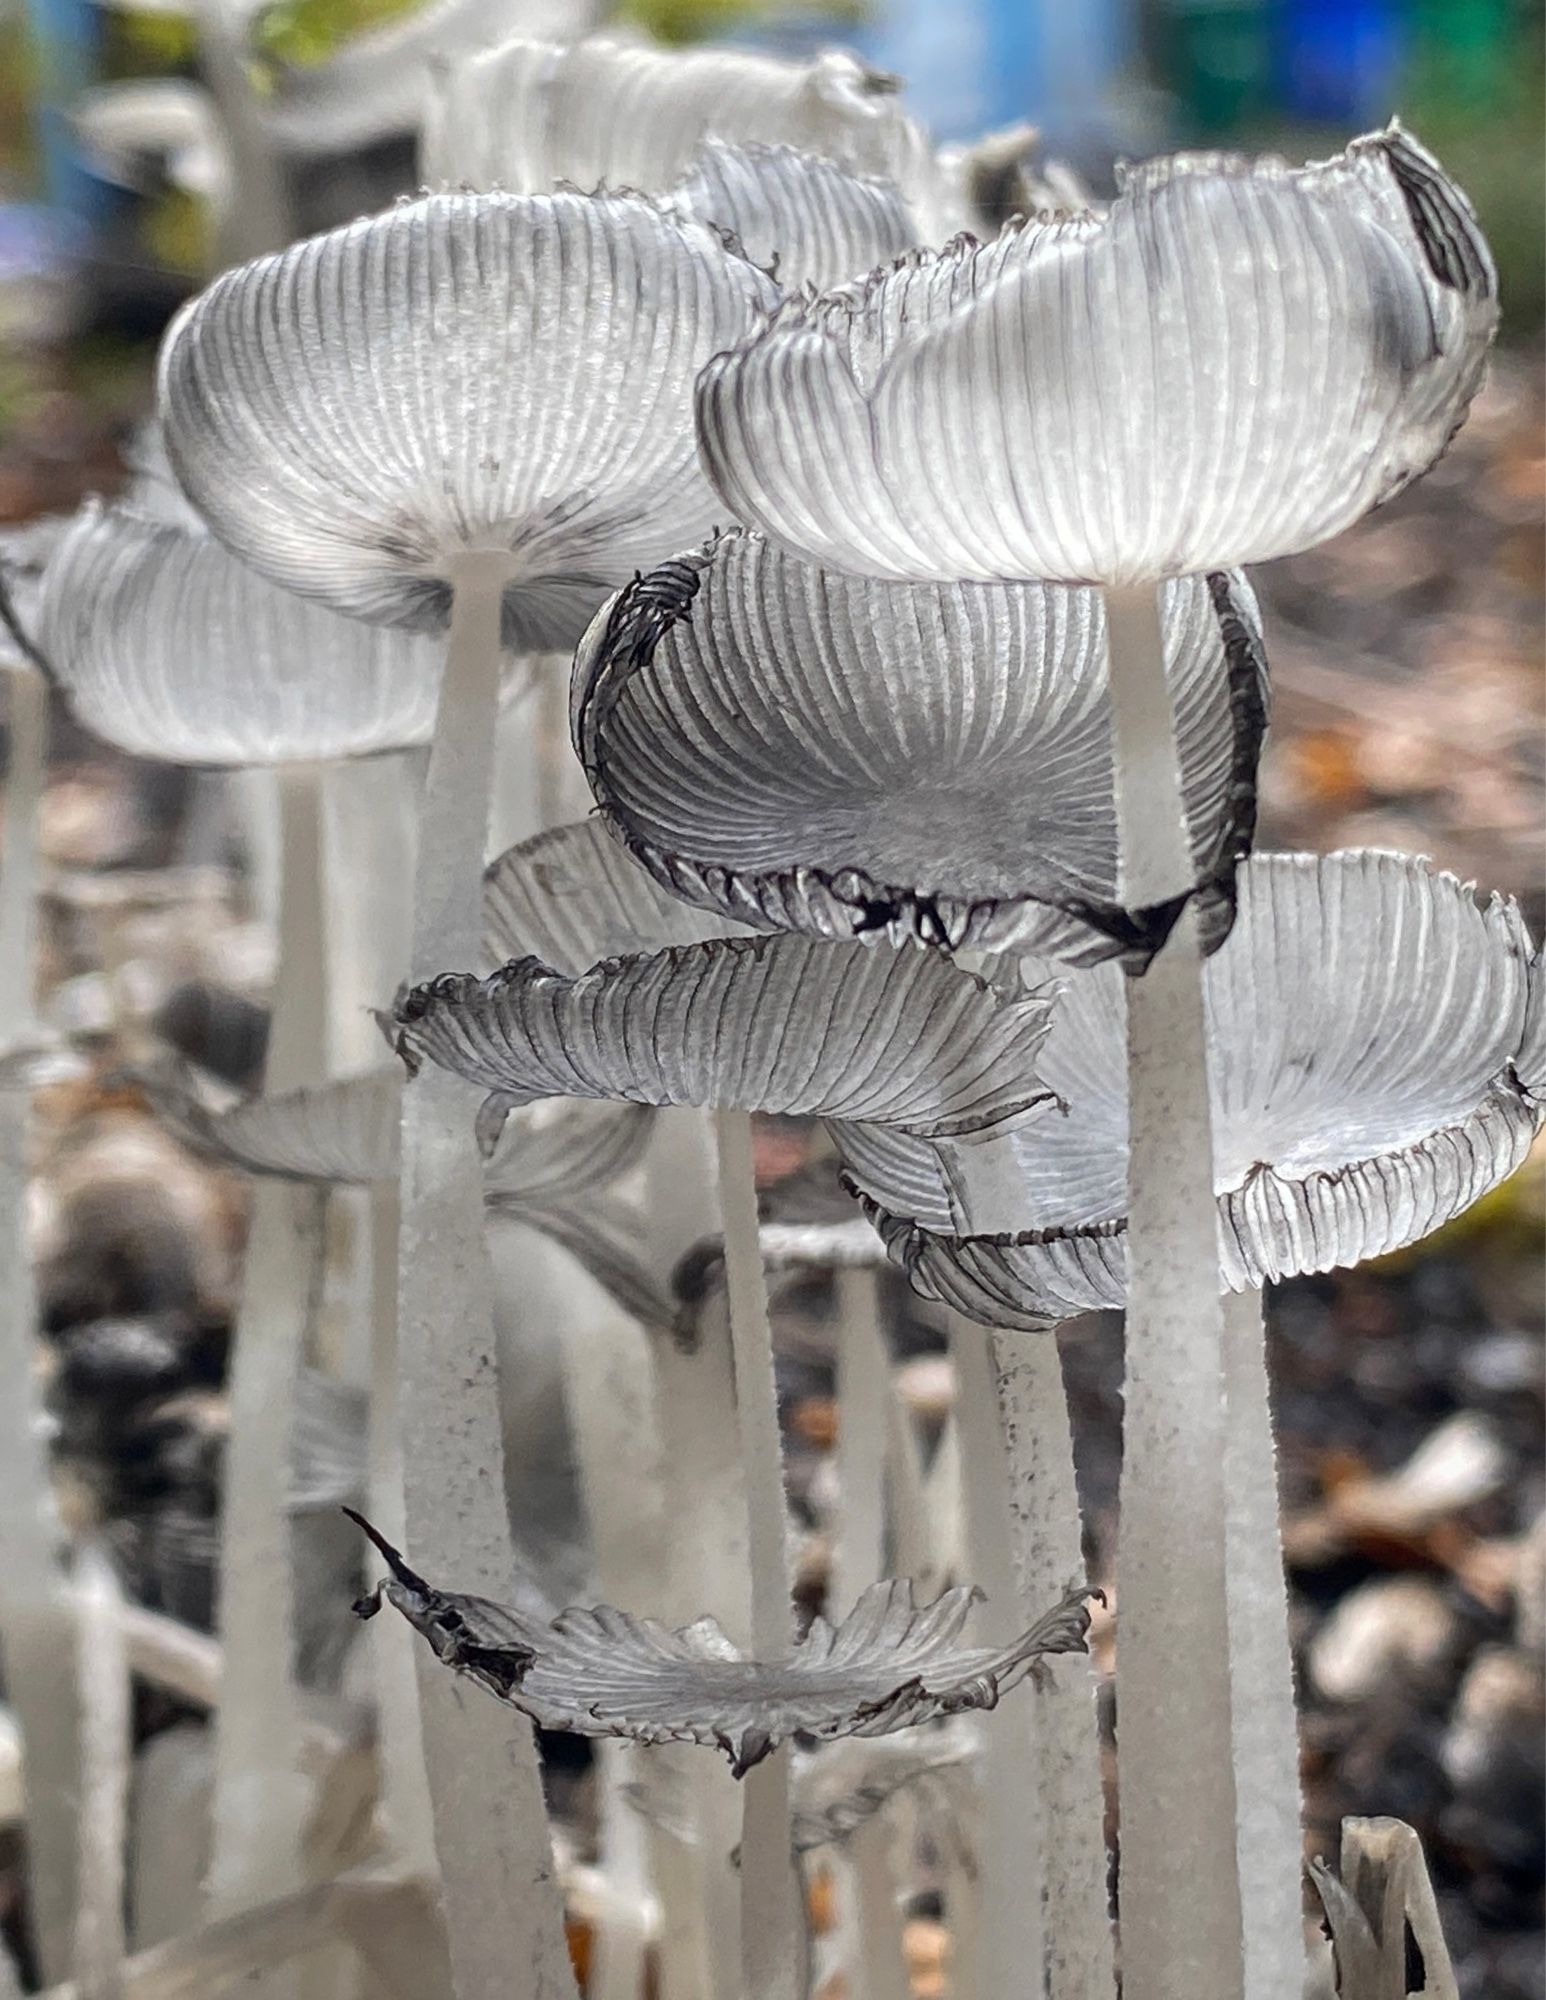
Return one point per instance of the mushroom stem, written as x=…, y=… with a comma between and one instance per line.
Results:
x=261, y=1799
x=704, y=1565
x=1036, y=1445
x=1010, y=1936
x=1181, y=1914
x=773, y=1947
x=400, y=1745
x=863, y=1443
x=863, y=1399
x=98, y=1958
x=36, y=1635
x=503, y=1906
x=1269, y=1836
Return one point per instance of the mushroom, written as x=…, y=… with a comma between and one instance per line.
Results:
x=508, y=379
x=889, y=1665
x=780, y=1023
x=168, y=646
x=1367, y=1019
x=604, y=111
x=798, y=748
x=1233, y=362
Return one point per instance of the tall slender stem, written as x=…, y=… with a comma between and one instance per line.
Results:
x=864, y=1397
x=703, y=1566
x=876, y=1964
x=773, y=1949
x=106, y=1750
x=503, y=1908
x=1011, y=1940
x=261, y=1798
x=1181, y=1915
x=1269, y=1837
x=1044, y=1529
x=36, y=1627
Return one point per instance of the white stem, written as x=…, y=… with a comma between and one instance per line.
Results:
x=1269, y=1837
x=371, y=809
x=1180, y=1896
x=405, y=1802
x=37, y=1652
x=773, y=1946
x=1011, y=1943
x=879, y=1971
x=106, y=1724
x=913, y=1551
x=607, y=1386
x=774, y=1950
x=26, y=772
x=261, y=1797
x=504, y=1911
x=863, y=1404
x=1038, y=1457
x=257, y=217
x=703, y=1568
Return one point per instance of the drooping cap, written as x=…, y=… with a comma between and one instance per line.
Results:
x=464, y=373
x=573, y=897
x=553, y=1168
x=609, y=112
x=1235, y=361
x=601, y=1672
x=790, y=746
x=1366, y=1018
x=380, y=82
x=892, y=1035
x=169, y=647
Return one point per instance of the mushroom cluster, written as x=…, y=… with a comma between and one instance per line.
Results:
x=897, y=583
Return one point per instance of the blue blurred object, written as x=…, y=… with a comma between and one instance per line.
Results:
x=66, y=38
x=986, y=63
x=1340, y=62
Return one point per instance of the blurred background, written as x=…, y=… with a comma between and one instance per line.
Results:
x=1407, y=674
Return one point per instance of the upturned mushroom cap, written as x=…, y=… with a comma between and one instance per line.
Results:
x=169, y=647
x=794, y=747
x=1366, y=1018
x=1235, y=361
x=601, y=1672
x=464, y=373
x=895, y=1036
x=623, y=114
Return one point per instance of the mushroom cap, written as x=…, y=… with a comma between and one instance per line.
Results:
x=890, y=1035
x=170, y=648
x=553, y=1168
x=601, y=1672
x=463, y=373
x=1365, y=1019
x=794, y=747
x=615, y=113
x=380, y=83
x=346, y=1132
x=1234, y=361
x=573, y=897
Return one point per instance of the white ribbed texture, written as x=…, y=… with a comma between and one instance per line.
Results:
x=169, y=648
x=1235, y=361
x=787, y=745
x=1364, y=1021
x=601, y=111
x=460, y=373
x=769, y=1024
